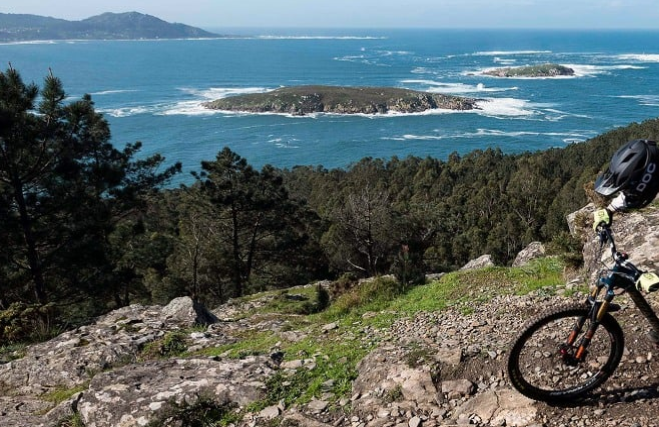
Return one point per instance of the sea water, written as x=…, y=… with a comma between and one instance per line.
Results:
x=152, y=90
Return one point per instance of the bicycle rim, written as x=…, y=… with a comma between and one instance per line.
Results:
x=541, y=364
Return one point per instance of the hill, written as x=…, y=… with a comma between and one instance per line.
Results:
x=107, y=26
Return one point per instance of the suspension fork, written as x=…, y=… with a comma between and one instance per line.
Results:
x=596, y=314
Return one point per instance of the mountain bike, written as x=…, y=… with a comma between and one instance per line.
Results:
x=568, y=351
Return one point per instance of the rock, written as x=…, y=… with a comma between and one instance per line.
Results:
x=457, y=388
x=480, y=262
x=385, y=373
x=183, y=310
x=636, y=233
x=270, y=412
x=317, y=405
x=136, y=394
x=504, y=407
x=532, y=251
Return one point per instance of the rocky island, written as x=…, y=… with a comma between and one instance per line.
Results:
x=303, y=100
x=542, y=70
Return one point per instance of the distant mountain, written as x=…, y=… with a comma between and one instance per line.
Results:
x=107, y=26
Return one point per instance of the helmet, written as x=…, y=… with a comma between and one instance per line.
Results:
x=634, y=170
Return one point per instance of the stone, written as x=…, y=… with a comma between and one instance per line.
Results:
x=481, y=262
x=532, y=251
x=130, y=395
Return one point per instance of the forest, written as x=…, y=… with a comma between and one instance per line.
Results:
x=88, y=227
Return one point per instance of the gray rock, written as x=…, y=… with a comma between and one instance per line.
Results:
x=135, y=395
x=480, y=262
x=532, y=251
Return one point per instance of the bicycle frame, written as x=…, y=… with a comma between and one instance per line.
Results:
x=622, y=275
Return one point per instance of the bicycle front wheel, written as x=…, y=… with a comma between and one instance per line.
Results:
x=543, y=363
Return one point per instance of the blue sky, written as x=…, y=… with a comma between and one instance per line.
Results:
x=639, y=14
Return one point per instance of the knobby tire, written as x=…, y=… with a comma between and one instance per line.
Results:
x=537, y=369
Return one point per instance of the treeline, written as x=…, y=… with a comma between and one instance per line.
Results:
x=87, y=227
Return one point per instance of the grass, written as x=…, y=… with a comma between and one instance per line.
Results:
x=60, y=394
x=373, y=305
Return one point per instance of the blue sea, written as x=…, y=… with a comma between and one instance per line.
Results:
x=152, y=91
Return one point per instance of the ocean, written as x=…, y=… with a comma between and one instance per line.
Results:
x=151, y=91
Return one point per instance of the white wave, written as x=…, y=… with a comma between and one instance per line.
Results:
x=280, y=37
x=502, y=61
x=641, y=57
x=111, y=92
x=422, y=70
x=125, y=111
x=283, y=143
x=647, y=100
x=29, y=42
x=359, y=59
x=511, y=52
x=567, y=137
x=506, y=107
x=223, y=92
x=455, y=88
x=582, y=70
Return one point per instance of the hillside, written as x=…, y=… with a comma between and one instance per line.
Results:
x=378, y=356
x=107, y=26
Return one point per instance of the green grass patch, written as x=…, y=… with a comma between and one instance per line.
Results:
x=60, y=394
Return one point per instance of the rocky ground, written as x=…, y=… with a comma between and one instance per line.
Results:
x=467, y=385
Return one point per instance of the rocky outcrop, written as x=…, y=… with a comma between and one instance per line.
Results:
x=74, y=357
x=636, y=233
x=137, y=394
x=304, y=100
x=543, y=70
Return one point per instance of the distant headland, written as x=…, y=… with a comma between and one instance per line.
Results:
x=542, y=70
x=301, y=100
x=107, y=26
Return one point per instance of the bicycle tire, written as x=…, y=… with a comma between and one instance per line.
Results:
x=537, y=369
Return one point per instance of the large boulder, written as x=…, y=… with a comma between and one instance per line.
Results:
x=481, y=262
x=636, y=233
x=532, y=251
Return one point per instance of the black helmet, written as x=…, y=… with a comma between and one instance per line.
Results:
x=634, y=170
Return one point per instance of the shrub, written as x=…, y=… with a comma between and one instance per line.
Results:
x=21, y=322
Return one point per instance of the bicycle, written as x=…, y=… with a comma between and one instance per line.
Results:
x=568, y=351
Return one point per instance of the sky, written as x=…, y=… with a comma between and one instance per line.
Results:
x=218, y=14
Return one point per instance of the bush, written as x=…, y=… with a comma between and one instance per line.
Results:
x=22, y=322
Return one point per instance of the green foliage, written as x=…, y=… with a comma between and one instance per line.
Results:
x=21, y=322
x=74, y=420
x=64, y=189
x=172, y=344
x=368, y=295
x=59, y=395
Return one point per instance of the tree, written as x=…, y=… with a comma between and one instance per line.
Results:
x=262, y=232
x=64, y=188
x=364, y=232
